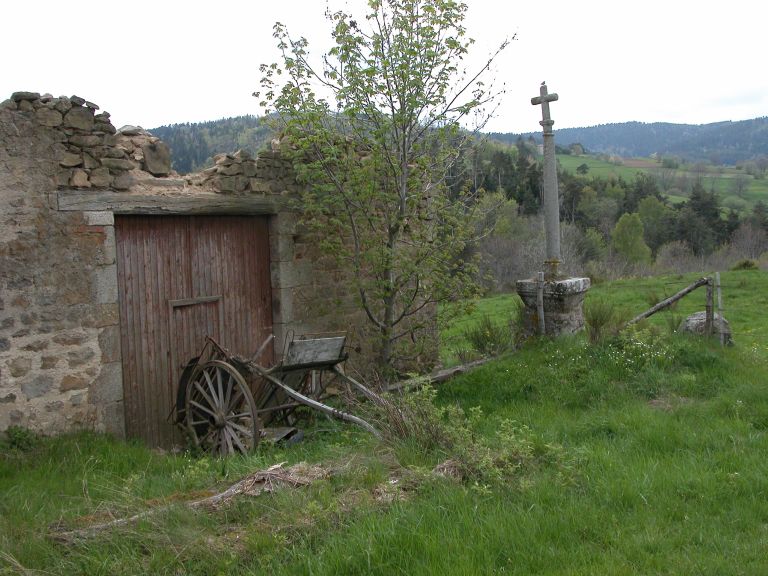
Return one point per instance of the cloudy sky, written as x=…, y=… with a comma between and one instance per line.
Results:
x=165, y=61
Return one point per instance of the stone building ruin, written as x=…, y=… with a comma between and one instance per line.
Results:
x=113, y=268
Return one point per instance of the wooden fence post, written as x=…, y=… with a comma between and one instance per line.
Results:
x=721, y=321
x=708, y=321
x=540, y=303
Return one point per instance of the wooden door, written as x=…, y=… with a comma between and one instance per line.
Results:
x=181, y=278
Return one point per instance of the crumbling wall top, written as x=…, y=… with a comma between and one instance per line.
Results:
x=90, y=153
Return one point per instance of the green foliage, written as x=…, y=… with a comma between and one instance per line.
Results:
x=658, y=222
x=498, y=215
x=670, y=163
x=627, y=239
x=454, y=345
x=20, y=438
x=745, y=264
x=415, y=423
x=601, y=319
x=640, y=347
x=377, y=159
x=489, y=337
x=593, y=245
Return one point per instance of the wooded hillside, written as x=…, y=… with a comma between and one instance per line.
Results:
x=718, y=143
x=193, y=145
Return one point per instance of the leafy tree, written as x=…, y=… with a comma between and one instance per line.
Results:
x=759, y=216
x=671, y=163
x=739, y=184
x=628, y=240
x=707, y=206
x=571, y=194
x=731, y=224
x=376, y=153
x=592, y=246
x=582, y=169
x=528, y=180
x=658, y=222
x=644, y=185
x=762, y=165
x=502, y=173
x=694, y=230
x=588, y=206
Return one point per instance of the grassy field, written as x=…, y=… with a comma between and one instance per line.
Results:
x=645, y=454
x=597, y=167
x=719, y=180
x=740, y=291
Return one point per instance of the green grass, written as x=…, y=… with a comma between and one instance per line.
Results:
x=501, y=308
x=743, y=293
x=597, y=167
x=719, y=180
x=654, y=460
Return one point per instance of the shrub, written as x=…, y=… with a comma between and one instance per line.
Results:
x=415, y=421
x=489, y=337
x=21, y=439
x=745, y=264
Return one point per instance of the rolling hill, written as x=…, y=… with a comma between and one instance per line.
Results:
x=717, y=143
x=193, y=145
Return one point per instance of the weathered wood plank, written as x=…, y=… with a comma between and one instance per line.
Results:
x=315, y=350
x=154, y=204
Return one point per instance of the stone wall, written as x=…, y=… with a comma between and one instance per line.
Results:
x=59, y=344
x=65, y=171
x=89, y=151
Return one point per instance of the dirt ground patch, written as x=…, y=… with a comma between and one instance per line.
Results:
x=639, y=163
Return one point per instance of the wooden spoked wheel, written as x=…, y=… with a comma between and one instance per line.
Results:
x=220, y=412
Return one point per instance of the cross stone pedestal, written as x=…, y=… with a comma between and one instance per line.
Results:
x=562, y=305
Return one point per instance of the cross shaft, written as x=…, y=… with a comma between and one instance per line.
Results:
x=551, y=196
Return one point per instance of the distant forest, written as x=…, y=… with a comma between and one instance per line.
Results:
x=718, y=143
x=193, y=145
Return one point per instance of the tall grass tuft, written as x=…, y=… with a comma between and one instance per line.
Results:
x=602, y=319
x=490, y=337
x=19, y=439
x=745, y=264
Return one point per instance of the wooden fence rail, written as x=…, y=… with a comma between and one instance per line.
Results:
x=671, y=300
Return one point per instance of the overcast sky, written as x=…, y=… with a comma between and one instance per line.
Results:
x=164, y=61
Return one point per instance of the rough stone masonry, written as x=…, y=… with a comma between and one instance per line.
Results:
x=59, y=342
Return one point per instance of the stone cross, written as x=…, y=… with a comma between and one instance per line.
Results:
x=551, y=198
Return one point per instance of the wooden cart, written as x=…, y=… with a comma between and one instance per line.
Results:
x=224, y=401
